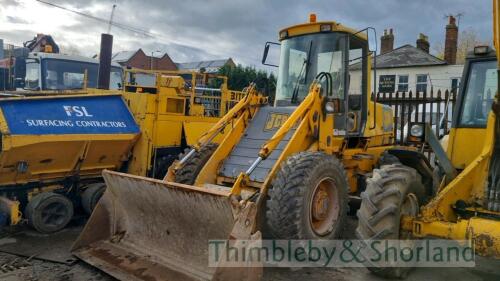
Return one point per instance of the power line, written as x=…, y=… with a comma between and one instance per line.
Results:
x=109, y=22
x=119, y=25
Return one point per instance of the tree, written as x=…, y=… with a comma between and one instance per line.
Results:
x=240, y=77
x=467, y=40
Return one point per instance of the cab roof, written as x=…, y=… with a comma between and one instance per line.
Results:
x=43, y=55
x=315, y=27
x=490, y=54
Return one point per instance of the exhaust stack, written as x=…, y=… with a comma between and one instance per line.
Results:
x=104, y=73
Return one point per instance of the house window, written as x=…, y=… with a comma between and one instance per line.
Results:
x=455, y=82
x=403, y=83
x=421, y=82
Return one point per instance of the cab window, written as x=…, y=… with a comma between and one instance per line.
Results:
x=480, y=92
x=32, y=79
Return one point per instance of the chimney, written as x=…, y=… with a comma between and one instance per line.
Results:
x=386, y=42
x=423, y=42
x=451, y=40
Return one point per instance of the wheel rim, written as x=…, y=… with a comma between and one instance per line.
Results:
x=54, y=214
x=324, y=207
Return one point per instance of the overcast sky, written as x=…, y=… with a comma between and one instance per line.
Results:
x=196, y=29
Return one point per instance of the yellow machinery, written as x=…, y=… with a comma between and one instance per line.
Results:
x=173, y=109
x=284, y=170
x=467, y=203
x=54, y=145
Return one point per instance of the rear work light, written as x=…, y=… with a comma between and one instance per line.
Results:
x=481, y=50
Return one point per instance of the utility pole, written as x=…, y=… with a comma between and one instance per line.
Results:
x=111, y=18
x=152, y=54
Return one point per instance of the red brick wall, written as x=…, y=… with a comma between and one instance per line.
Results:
x=164, y=63
x=139, y=60
x=142, y=61
x=387, y=42
x=450, y=43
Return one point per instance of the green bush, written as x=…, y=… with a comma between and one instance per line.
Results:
x=240, y=77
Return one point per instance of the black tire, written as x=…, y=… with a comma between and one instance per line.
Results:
x=91, y=196
x=49, y=212
x=393, y=190
x=188, y=173
x=289, y=209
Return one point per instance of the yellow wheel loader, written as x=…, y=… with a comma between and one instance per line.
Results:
x=282, y=171
x=467, y=203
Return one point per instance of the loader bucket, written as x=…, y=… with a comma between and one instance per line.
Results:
x=147, y=229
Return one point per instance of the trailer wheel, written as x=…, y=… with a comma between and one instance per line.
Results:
x=308, y=199
x=91, y=196
x=188, y=173
x=393, y=191
x=49, y=212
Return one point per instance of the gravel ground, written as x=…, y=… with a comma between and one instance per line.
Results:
x=19, y=268
x=16, y=268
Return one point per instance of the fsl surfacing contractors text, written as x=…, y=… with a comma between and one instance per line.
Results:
x=71, y=123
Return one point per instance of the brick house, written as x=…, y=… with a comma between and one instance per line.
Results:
x=413, y=68
x=139, y=59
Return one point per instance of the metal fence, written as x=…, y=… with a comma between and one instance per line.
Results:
x=207, y=89
x=433, y=108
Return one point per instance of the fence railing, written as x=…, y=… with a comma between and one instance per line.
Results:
x=434, y=108
x=207, y=89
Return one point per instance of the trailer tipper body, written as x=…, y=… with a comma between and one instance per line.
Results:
x=61, y=144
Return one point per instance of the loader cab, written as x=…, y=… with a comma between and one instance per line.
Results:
x=475, y=99
x=309, y=49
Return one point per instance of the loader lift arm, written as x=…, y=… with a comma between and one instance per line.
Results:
x=252, y=99
x=311, y=101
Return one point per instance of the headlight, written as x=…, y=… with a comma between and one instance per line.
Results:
x=330, y=107
x=417, y=131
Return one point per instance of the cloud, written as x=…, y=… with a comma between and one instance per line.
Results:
x=17, y=20
x=192, y=30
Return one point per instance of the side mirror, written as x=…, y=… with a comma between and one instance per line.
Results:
x=371, y=34
x=266, y=52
